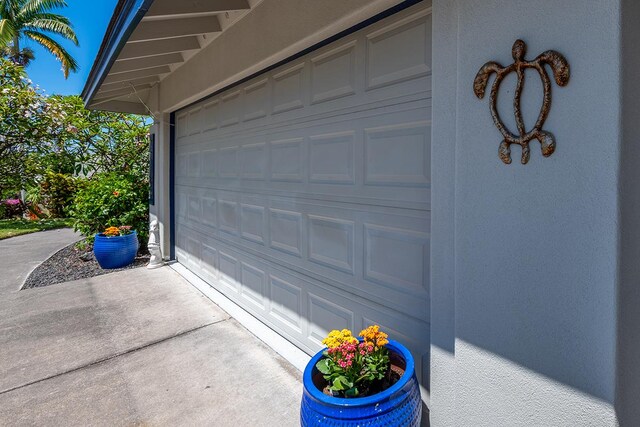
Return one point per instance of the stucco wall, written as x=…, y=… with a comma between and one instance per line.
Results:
x=536, y=245
x=628, y=387
x=443, y=163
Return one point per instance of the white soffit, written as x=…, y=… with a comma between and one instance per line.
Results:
x=169, y=35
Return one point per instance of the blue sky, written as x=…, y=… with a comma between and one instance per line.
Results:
x=90, y=19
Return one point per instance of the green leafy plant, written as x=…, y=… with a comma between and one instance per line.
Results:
x=55, y=134
x=55, y=192
x=351, y=366
x=26, y=117
x=111, y=199
x=83, y=245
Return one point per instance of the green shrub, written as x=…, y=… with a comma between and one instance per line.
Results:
x=56, y=193
x=111, y=199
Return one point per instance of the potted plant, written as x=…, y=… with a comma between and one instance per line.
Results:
x=116, y=247
x=368, y=381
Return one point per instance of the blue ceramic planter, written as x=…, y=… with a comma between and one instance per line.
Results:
x=115, y=251
x=399, y=405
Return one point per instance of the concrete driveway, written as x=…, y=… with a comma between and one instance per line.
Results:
x=138, y=347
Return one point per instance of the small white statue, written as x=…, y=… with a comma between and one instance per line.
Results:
x=154, y=246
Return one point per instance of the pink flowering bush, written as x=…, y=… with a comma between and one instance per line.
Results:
x=12, y=208
x=351, y=366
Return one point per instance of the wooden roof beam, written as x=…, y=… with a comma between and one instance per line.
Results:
x=143, y=63
x=158, y=47
x=169, y=28
x=106, y=95
x=175, y=8
x=132, y=75
x=128, y=83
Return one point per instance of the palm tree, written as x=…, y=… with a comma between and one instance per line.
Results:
x=34, y=20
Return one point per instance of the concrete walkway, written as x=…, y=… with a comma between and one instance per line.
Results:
x=139, y=347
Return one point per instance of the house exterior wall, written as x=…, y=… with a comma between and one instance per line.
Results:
x=628, y=369
x=534, y=268
x=524, y=319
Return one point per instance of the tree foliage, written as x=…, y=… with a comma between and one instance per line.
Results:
x=111, y=199
x=26, y=119
x=35, y=20
x=52, y=145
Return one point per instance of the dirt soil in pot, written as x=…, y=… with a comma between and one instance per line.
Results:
x=376, y=387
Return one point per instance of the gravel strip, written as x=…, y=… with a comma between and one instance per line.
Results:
x=70, y=264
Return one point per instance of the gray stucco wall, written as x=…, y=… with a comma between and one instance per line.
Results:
x=628, y=386
x=443, y=164
x=535, y=246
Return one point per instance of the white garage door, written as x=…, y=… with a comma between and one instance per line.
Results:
x=304, y=194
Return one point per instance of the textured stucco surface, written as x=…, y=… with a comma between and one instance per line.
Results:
x=443, y=134
x=535, y=245
x=628, y=386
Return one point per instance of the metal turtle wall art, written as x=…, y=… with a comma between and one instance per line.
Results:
x=560, y=68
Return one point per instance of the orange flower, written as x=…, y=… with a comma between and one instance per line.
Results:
x=116, y=193
x=112, y=231
x=373, y=336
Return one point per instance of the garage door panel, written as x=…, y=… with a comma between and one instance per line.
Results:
x=300, y=305
x=253, y=285
x=253, y=223
x=321, y=238
x=253, y=160
x=229, y=267
x=333, y=73
x=392, y=267
x=377, y=160
x=304, y=194
x=285, y=302
x=398, y=155
x=387, y=61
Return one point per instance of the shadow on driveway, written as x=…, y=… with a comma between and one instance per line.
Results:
x=137, y=347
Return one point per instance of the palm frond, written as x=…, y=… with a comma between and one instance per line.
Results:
x=19, y=57
x=7, y=32
x=56, y=26
x=67, y=61
x=52, y=16
x=39, y=6
x=8, y=8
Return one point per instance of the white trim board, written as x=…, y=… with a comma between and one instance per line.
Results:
x=286, y=349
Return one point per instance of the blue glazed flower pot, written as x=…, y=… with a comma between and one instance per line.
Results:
x=399, y=405
x=115, y=251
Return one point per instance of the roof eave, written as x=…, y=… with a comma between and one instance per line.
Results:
x=126, y=16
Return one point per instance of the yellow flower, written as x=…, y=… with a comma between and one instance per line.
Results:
x=337, y=338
